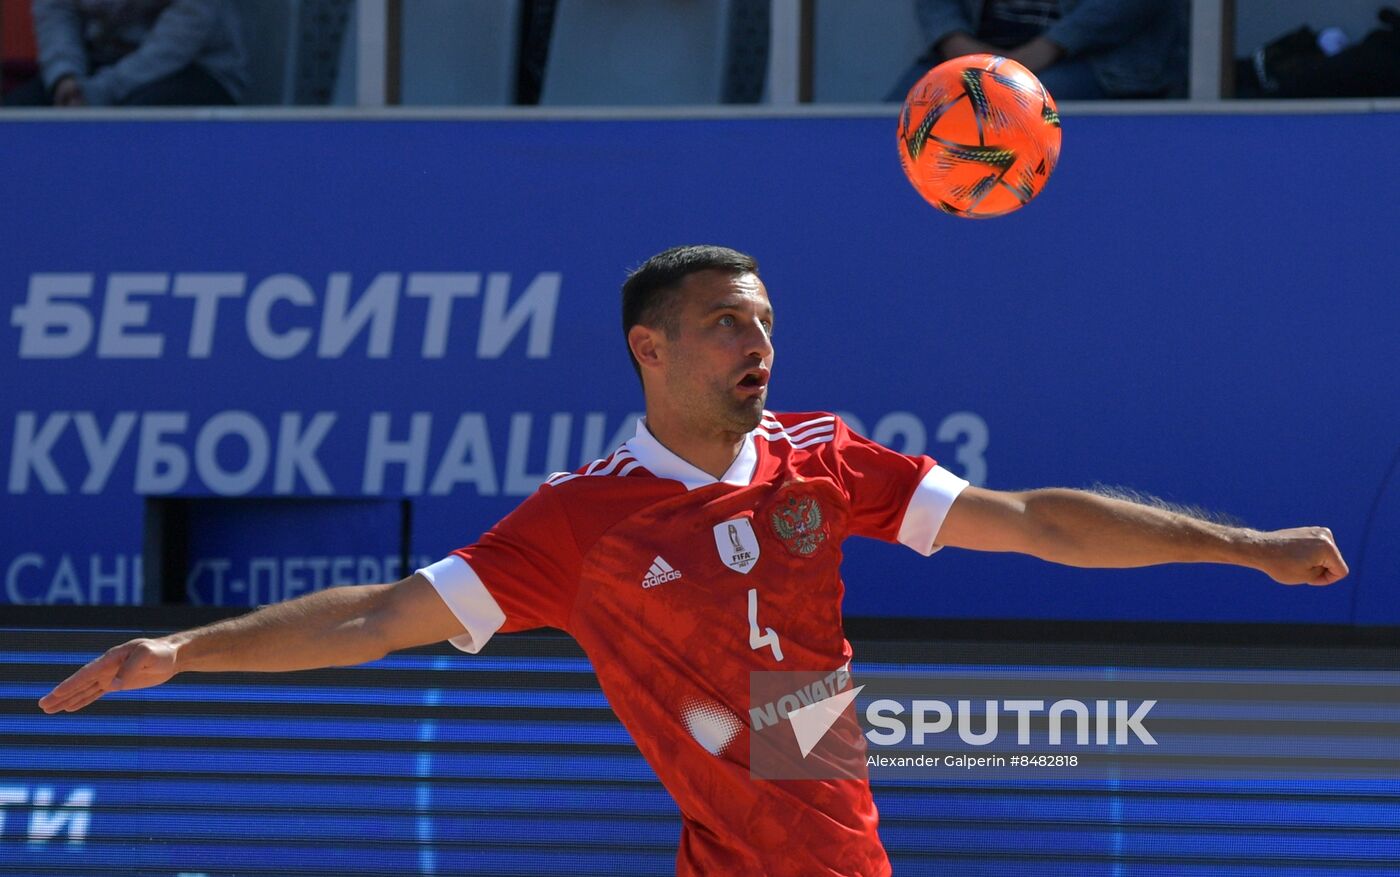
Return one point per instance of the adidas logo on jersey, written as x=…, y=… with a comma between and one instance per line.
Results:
x=660, y=573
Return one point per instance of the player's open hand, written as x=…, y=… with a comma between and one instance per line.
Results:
x=139, y=663
x=1302, y=555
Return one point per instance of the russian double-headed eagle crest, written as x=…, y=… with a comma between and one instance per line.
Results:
x=798, y=521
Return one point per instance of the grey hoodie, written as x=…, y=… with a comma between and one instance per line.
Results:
x=114, y=47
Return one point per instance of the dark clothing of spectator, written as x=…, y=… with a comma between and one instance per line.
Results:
x=1010, y=23
x=1107, y=48
x=137, y=53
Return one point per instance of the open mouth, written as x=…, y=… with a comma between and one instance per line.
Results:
x=754, y=380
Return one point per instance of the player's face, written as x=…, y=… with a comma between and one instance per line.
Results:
x=723, y=353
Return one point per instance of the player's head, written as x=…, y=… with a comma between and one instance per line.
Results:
x=651, y=295
x=698, y=326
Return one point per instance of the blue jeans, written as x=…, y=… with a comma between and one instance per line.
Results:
x=1067, y=80
x=1072, y=80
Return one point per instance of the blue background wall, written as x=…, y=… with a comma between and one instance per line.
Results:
x=1200, y=307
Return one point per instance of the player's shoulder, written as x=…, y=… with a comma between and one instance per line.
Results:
x=596, y=495
x=619, y=474
x=604, y=470
x=800, y=429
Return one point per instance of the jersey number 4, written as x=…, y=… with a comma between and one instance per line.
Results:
x=762, y=636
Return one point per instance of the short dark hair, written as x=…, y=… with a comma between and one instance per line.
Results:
x=648, y=295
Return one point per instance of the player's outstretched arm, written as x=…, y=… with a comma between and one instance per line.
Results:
x=1084, y=529
x=332, y=628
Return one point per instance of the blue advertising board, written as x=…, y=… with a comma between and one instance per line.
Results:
x=1200, y=307
x=512, y=763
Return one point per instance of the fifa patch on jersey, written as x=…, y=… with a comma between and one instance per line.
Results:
x=660, y=573
x=737, y=544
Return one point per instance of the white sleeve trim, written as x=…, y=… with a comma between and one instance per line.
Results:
x=927, y=508
x=463, y=592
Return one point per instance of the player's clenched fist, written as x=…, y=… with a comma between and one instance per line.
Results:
x=1302, y=555
x=139, y=663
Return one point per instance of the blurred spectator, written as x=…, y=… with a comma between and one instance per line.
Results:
x=136, y=53
x=1306, y=63
x=1080, y=49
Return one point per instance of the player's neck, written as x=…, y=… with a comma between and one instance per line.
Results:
x=712, y=452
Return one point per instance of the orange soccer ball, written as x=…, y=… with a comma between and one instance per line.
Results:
x=979, y=136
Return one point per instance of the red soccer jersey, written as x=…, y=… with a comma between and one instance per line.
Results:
x=678, y=585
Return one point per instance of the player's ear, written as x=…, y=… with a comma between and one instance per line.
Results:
x=646, y=344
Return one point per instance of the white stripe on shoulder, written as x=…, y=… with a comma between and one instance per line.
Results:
x=621, y=457
x=815, y=439
x=818, y=437
x=798, y=435
x=801, y=434
x=593, y=467
x=773, y=425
